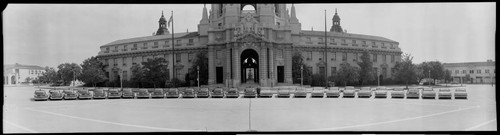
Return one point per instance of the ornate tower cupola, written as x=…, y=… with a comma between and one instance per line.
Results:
x=336, y=23
x=162, y=29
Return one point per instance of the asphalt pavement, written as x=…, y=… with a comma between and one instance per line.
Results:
x=23, y=115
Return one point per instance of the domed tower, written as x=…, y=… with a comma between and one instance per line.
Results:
x=336, y=23
x=162, y=28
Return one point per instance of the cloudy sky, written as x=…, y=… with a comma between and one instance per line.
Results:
x=48, y=35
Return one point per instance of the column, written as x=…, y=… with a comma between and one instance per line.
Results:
x=236, y=65
x=227, y=65
x=272, y=67
x=211, y=65
x=263, y=65
x=288, y=65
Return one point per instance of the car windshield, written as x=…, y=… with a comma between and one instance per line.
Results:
x=460, y=90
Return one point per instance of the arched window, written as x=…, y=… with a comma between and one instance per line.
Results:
x=248, y=7
x=277, y=10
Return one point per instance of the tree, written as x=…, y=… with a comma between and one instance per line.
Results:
x=447, y=76
x=155, y=71
x=68, y=72
x=405, y=70
x=435, y=68
x=137, y=75
x=201, y=61
x=297, y=63
x=49, y=76
x=347, y=74
x=28, y=79
x=92, y=71
x=365, y=72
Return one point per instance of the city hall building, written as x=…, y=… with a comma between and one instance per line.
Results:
x=472, y=72
x=250, y=47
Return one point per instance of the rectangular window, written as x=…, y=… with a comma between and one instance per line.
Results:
x=135, y=45
x=145, y=46
x=392, y=58
x=471, y=71
x=107, y=48
x=178, y=57
x=344, y=57
x=334, y=71
x=479, y=71
x=190, y=57
x=177, y=73
x=123, y=62
x=456, y=72
x=332, y=40
x=374, y=57
x=343, y=40
x=168, y=74
x=464, y=72
x=354, y=41
x=364, y=42
x=321, y=70
x=115, y=62
x=125, y=75
x=384, y=58
x=334, y=57
x=355, y=57
x=487, y=71
x=178, y=43
x=155, y=43
x=309, y=55
x=310, y=68
x=191, y=42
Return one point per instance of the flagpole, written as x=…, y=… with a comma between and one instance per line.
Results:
x=173, y=48
x=326, y=60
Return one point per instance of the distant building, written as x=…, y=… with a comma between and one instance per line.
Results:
x=250, y=43
x=477, y=72
x=17, y=73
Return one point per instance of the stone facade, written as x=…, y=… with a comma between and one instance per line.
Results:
x=478, y=72
x=251, y=46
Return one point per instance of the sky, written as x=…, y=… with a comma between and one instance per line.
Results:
x=52, y=34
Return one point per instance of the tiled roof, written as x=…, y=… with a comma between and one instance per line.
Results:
x=20, y=66
x=151, y=38
x=347, y=35
x=464, y=64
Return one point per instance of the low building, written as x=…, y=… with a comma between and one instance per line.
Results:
x=17, y=73
x=472, y=72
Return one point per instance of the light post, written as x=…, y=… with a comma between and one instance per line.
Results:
x=121, y=79
x=301, y=75
x=74, y=77
x=429, y=77
x=378, y=78
x=198, y=78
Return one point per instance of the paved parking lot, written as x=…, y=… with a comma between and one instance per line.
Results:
x=22, y=115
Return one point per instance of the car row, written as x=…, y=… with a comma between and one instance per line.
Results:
x=282, y=92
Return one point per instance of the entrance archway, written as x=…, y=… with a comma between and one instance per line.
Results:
x=249, y=66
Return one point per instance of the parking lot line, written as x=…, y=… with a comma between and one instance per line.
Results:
x=392, y=121
x=19, y=126
x=480, y=125
x=108, y=122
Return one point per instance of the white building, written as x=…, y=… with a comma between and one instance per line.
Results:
x=17, y=73
x=477, y=72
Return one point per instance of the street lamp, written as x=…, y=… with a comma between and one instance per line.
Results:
x=301, y=75
x=429, y=77
x=121, y=79
x=378, y=78
x=198, y=79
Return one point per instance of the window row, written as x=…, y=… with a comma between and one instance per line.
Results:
x=334, y=41
x=478, y=71
x=138, y=60
x=356, y=57
x=146, y=45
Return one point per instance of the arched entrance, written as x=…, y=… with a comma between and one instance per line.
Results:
x=249, y=66
x=13, y=80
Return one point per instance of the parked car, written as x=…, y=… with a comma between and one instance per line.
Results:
x=56, y=95
x=347, y=87
x=114, y=93
x=428, y=93
x=318, y=92
x=218, y=93
x=300, y=92
x=398, y=93
x=460, y=93
x=381, y=92
x=250, y=93
x=349, y=92
x=333, y=92
x=41, y=95
x=283, y=92
x=444, y=93
x=84, y=94
x=413, y=93
x=188, y=93
x=265, y=92
x=143, y=93
x=202, y=93
x=99, y=94
x=365, y=92
x=157, y=93
x=233, y=93
x=70, y=94
x=128, y=93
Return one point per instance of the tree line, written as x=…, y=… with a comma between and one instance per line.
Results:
x=404, y=72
